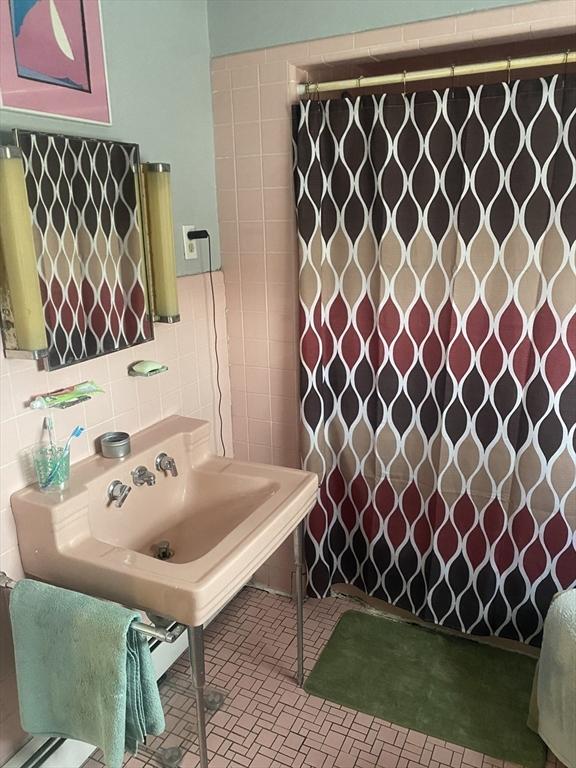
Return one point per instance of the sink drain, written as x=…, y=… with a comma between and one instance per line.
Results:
x=162, y=550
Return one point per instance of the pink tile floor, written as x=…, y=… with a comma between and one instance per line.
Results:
x=265, y=720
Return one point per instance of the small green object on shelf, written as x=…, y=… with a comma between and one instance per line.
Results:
x=146, y=368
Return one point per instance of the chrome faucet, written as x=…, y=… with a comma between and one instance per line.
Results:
x=118, y=493
x=142, y=476
x=165, y=463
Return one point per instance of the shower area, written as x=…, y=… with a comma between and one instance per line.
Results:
x=417, y=326
x=437, y=291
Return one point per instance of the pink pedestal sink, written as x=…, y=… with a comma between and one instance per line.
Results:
x=220, y=520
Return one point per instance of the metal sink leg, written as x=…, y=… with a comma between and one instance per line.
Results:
x=196, y=649
x=299, y=563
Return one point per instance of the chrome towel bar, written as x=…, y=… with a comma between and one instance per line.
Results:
x=165, y=635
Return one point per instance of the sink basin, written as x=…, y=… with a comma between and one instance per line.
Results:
x=221, y=518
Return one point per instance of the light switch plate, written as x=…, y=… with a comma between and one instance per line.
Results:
x=190, y=249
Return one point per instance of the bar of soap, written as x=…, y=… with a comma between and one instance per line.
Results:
x=146, y=368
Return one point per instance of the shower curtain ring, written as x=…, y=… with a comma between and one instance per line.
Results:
x=404, y=83
x=359, y=81
x=509, y=68
x=453, y=68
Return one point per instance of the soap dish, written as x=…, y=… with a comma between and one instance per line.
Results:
x=146, y=368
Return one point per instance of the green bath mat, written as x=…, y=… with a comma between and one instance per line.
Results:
x=448, y=687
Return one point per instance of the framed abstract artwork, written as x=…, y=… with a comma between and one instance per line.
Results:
x=52, y=59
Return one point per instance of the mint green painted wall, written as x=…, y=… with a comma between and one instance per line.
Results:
x=158, y=62
x=243, y=25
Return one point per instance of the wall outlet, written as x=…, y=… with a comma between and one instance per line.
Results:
x=190, y=249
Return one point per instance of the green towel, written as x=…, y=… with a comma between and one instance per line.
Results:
x=82, y=672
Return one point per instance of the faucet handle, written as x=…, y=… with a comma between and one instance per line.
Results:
x=165, y=463
x=118, y=493
x=142, y=476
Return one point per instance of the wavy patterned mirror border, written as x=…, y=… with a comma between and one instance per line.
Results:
x=85, y=199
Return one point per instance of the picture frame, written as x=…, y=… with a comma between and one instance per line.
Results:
x=52, y=59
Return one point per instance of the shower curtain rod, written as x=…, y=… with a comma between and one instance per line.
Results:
x=458, y=70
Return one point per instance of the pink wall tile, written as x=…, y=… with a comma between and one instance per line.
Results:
x=218, y=63
x=257, y=380
x=240, y=427
x=283, y=435
x=282, y=268
x=231, y=265
x=284, y=383
x=274, y=72
x=284, y=409
x=283, y=355
x=246, y=105
x=227, y=205
x=283, y=457
x=378, y=37
x=259, y=432
x=249, y=58
x=281, y=236
x=251, y=236
x=273, y=102
x=282, y=299
x=236, y=352
x=297, y=53
x=220, y=80
x=243, y=77
x=256, y=352
x=281, y=326
x=253, y=267
x=222, y=107
x=330, y=44
x=233, y=297
x=235, y=330
x=225, y=174
x=241, y=451
x=253, y=297
x=276, y=137
x=250, y=208
x=238, y=402
x=223, y=140
x=279, y=204
x=229, y=237
x=237, y=378
x=258, y=406
x=249, y=172
x=255, y=325
x=261, y=454
x=247, y=138
x=276, y=169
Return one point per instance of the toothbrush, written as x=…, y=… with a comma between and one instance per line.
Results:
x=49, y=426
x=76, y=432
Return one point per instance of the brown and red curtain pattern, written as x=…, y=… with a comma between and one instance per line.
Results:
x=83, y=194
x=437, y=238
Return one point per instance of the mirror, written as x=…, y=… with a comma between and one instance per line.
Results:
x=85, y=198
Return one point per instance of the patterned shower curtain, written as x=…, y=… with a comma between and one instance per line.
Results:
x=437, y=238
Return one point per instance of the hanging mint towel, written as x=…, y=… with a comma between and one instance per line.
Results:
x=82, y=672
